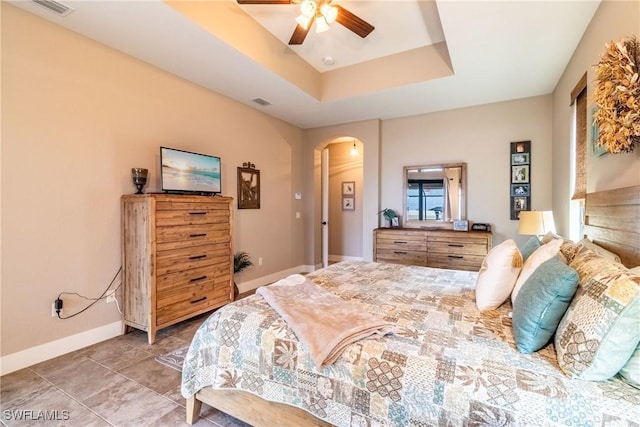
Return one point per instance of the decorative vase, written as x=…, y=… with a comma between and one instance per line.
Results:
x=139, y=176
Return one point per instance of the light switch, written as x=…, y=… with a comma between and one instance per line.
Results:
x=298, y=196
x=297, y=215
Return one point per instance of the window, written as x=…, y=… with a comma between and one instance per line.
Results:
x=579, y=159
x=425, y=199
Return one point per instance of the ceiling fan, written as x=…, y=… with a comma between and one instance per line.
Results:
x=323, y=13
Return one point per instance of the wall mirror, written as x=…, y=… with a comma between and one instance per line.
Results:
x=434, y=195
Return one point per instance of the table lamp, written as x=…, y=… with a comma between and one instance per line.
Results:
x=537, y=223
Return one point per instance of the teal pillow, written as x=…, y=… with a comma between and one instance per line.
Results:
x=530, y=247
x=630, y=372
x=541, y=303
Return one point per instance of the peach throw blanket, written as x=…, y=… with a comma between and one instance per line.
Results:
x=322, y=321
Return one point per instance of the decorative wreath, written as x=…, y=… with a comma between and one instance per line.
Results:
x=617, y=94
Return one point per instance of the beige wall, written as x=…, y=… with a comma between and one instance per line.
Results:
x=481, y=137
x=345, y=226
x=612, y=21
x=76, y=117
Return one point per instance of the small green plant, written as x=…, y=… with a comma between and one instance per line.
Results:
x=388, y=214
x=241, y=260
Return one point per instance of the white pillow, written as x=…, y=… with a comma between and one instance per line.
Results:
x=543, y=253
x=497, y=275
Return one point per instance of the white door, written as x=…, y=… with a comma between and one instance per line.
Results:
x=325, y=206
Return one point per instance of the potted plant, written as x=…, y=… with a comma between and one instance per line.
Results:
x=388, y=214
x=241, y=260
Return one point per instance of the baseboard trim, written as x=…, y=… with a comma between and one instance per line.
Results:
x=340, y=258
x=25, y=358
x=250, y=285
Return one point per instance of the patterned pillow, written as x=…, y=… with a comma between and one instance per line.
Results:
x=599, y=332
x=543, y=253
x=599, y=250
x=541, y=303
x=498, y=274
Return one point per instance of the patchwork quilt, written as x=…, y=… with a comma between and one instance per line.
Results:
x=452, y=367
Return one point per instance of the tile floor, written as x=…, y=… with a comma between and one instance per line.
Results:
x=113, y=383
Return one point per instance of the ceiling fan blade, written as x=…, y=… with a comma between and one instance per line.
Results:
x=263, y=1
x=353, y=22
x=299, y=34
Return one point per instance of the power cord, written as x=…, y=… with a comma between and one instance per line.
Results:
x=94, y=300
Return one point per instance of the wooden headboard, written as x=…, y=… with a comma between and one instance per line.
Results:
x=612, y=220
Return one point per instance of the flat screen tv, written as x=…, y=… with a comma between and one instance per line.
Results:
x=186, y=172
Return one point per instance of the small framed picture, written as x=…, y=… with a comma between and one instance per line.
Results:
x=520, y=173
x=461, y=225
x=520, y=159
x=521, y=190
x=521, y=147
x=348, y=203
x=348, y=188
x=520, y=203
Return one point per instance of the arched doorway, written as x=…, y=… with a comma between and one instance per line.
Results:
x=342, y=195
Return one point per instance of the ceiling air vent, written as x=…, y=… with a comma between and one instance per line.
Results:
x=55, y=7
x=261, y=101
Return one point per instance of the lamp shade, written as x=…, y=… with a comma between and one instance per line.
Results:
x=536, y=222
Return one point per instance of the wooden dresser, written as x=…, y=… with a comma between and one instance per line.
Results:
x=176, y=256
x=457, y=250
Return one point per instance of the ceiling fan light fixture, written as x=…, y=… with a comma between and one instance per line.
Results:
x=308, y=8
x=329, y=12
x=303, y=21
x=321, y=24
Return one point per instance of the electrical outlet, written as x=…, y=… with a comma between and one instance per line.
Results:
x=53, y=310
x=111, y=296
x=260, y=261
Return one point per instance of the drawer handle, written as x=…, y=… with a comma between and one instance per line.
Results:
x=399, y=241
x=197, y=213
x=198, y=235
x=399, y=252
x=197, y=279
x=198, y=300
x=197, y=256
x=456, y=256
x=456, y=246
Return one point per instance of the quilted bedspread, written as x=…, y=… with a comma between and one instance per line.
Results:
x=454, y=366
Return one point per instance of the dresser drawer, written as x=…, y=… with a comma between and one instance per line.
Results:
x=203, y=215
x=175, y=260
x=455, y=248
x=455, y=262
x=189, y=291
x=191, y=235
x=169, y=283
x=401, y=244
x=399, y=256
x=191, y=304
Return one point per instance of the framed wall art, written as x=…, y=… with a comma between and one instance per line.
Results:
x=248, y=186
x=348, y=203
x=520, y=170
x=348, y=195
x=348, y=188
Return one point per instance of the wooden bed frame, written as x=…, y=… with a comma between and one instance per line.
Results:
x=612, y=220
